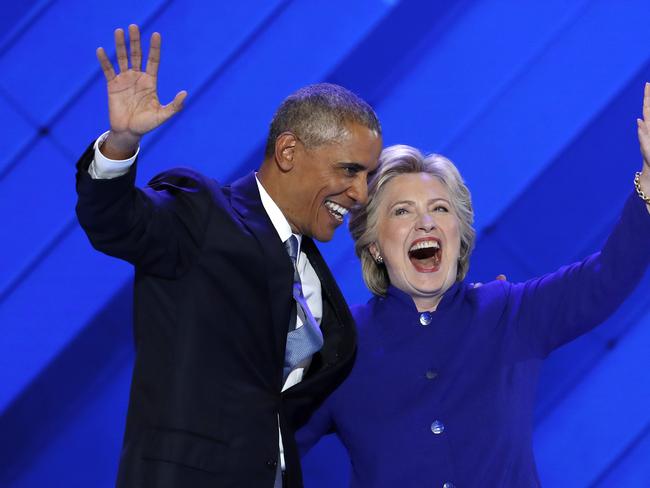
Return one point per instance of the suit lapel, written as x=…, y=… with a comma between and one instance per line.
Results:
x=337, y=325
x=279, y=271
x=330, y=289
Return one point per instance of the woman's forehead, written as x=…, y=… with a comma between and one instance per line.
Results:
x=415, y=187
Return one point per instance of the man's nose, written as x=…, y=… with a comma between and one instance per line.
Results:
x=359, y=190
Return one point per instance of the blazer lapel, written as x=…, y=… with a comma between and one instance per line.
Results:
x=246, y=202
x=330, y=289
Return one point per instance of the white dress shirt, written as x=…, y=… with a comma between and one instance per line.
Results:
x=104, y=168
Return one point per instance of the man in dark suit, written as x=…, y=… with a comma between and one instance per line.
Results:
x=223, y=373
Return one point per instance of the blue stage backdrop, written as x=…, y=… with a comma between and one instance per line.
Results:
x=535, y=102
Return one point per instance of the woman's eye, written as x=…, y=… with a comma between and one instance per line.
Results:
x=441, y=208
x=401, y=211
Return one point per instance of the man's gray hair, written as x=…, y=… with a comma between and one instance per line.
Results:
x=398, y=160
x=317, y=115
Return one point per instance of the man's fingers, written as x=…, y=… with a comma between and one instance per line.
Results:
x=176, y=105
x=153, y=61
x=105, y=63
x=179, y=99
x=120, y=51
x=136, y=50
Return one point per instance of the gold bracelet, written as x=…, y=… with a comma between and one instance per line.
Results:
x=637, y=186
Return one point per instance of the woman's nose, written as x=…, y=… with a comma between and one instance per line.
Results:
x=426, y=222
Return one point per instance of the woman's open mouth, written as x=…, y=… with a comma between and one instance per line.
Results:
x=426, y=254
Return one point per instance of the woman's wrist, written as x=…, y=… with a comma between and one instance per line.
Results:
x=642, y=184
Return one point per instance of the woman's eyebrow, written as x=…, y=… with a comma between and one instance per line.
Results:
x=402, y=202
x=411, y=202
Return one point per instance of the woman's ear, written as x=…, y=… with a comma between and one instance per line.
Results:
x=374, y=252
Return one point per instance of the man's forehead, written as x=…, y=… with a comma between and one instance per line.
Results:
x=362, y=145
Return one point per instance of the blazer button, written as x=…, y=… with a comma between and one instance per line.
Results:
x=431, y=374
x=425, y=318
x=271, y=464
x=437, y=427
x=448, y=485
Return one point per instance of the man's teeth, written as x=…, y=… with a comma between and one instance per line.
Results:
x=335, y=209
x=424, y=245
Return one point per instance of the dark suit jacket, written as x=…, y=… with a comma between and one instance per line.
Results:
x=211, y=313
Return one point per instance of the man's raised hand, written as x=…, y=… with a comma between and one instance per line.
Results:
x=133, y=105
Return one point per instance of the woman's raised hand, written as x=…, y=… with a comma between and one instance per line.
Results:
x=644, y=129
x=133, y=105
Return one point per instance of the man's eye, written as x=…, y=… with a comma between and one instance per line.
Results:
x=350, y=170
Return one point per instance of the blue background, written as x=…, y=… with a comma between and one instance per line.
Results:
x=535, y=102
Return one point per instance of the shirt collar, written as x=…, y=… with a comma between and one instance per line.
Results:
x=279, y=221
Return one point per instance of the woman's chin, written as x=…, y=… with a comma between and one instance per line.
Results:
x=429, y=285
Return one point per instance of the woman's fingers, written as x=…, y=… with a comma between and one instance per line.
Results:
x=644, y=140
x=646, y=102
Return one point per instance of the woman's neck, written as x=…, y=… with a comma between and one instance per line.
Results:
x=427, y=304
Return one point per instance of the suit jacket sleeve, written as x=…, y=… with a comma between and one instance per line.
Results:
x=558, y=307
x=159, y=228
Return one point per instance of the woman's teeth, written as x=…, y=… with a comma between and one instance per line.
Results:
x=425, y=245
x=336, y=210
x=426, y=254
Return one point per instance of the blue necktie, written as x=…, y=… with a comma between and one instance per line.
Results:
x=304, y=341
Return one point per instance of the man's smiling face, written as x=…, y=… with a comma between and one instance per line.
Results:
x=329, y=179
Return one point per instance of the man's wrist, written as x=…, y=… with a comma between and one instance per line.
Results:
x=119, y=146
x=104, y=168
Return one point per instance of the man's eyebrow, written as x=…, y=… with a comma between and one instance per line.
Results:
x=353, y=165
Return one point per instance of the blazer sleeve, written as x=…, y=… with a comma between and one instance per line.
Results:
x=556, y=308
x=320, y=424
x=159, y=228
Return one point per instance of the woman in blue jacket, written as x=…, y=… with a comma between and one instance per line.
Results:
x=442, y=391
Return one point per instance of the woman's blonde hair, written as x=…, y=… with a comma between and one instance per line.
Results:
x=398, y=160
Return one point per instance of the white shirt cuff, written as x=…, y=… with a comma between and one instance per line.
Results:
x=102, y=168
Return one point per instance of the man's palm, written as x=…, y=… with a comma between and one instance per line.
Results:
x=133, y=104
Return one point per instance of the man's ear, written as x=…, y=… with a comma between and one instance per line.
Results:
x=285, y=151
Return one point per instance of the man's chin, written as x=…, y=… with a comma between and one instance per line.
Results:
x=324, y=235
